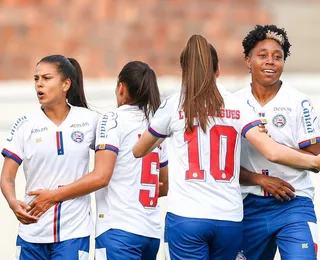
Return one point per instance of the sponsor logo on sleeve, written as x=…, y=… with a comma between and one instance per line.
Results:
x=307, y=119
x=15, y=127
x=108, y=122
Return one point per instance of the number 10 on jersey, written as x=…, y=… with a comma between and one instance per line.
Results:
x=223, y=141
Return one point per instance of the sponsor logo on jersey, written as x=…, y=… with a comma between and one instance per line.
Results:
x=279, y=121
x=281, y=109
x=108, y=122
x=77, y=136
x=15, y=127
x=38, y=130
x=308, y=123
x=79, y=125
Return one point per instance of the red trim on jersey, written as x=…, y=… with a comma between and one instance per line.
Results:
x=55, y=223
x=11, y=155
x=247, y=127
x=309, y=142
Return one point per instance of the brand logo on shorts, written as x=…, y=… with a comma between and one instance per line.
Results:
x=77, y=136
x=241, y=256
x=279, y=121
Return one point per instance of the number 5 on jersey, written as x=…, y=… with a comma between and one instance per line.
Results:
x=150, y=179
x=223, y=141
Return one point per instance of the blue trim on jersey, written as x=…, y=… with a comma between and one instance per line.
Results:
x=59, y=138
x=309, y=142
x=11, y=155
x=163, y=164
x=247, y=127
x=58, y=222
x=154, y=133
x=107, y=147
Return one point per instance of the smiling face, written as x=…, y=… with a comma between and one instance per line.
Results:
x=266, y=62
x=50, y=85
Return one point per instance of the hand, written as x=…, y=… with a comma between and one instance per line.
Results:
x=44, y=200
x=20, y=208
x=280, y=189
x=263, y=129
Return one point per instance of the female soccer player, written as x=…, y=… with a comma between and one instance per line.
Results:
x=128, y=215
x=293, y=121
x=54, y=145
x=204, y=200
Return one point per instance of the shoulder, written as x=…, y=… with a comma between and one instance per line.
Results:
x=170, y=101
x=242, y=92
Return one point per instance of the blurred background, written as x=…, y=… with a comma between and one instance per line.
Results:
x=103, y=35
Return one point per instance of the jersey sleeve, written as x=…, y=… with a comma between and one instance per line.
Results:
x=307, y=125
x=95, y=122
x=160, y=123
x=243, y=114
x=163, y=154
x=14, y=144
x=108, y=133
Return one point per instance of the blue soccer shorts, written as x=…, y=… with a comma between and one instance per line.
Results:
x=116, y=244
x=290, y=225
x=72, y=249
x=201, y=239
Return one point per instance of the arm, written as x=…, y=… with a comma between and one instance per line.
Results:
x=280, y=189
x=8, y=176
x=163, y=179
x=314, y=149
x=146, y=144
x=97, y=179
x=278, y=153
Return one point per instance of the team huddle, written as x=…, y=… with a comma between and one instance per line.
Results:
x=235, y=167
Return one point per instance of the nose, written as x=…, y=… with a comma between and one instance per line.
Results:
x=269, y=59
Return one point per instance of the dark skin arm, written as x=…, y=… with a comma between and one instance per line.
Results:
x=163, y=181
x=280, y=189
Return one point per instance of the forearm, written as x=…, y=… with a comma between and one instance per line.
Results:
x=249, y=178
x=163, y=190
x=8, y=189
x=87, y=184
x=290, y=157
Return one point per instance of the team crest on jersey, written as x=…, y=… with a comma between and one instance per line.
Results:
x=279, y=121
x=241, y=256
x=77, y=136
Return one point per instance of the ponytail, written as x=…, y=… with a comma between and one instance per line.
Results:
x=76, y=95
x=141, y=82
x=200, y=97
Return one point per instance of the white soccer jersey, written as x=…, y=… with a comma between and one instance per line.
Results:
x=292, y=121
x=129, y=202
x=204, y=167
x=54, y=156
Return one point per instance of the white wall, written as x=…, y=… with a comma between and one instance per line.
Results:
x=17, y=98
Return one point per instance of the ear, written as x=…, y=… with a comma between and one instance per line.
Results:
x=218, y=72
x=121, y=89
x=248, y=62
x=67, y=85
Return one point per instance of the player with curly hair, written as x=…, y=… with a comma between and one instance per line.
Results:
x=284, y=219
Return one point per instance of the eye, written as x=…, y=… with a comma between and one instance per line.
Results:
x=36, y=79
x=278, y=57
x=262, y=55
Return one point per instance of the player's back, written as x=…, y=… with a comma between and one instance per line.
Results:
x=129, y=202
x=204, y=166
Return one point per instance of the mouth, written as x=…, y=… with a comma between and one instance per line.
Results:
x=40, y=94
x=269, y=72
